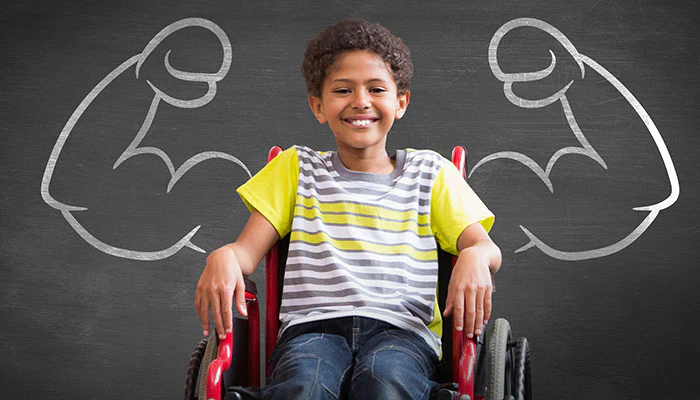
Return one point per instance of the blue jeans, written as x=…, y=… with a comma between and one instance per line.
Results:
x=351, y=358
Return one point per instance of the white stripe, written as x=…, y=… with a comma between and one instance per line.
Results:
x=365, y=234
x=361, y=286
x=327, y=301
x=352, y=198
x=295, y=269
x=394, y=191
x=404, y=180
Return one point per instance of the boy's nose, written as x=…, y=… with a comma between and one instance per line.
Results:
x=361, y=100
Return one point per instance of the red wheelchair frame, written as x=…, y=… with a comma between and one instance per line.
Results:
x=464, y=356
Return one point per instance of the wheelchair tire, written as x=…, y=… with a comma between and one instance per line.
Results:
x=497, y=360
x=522, y=384
x=193, y=369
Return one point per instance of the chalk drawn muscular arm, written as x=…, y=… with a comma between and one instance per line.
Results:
x=585, y=149
x=133, y=148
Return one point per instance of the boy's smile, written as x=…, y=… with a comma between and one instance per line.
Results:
x=360, y=101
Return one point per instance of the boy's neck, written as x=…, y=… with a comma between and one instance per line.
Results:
x=375, y=162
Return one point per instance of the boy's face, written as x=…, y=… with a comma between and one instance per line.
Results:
x=359, y=100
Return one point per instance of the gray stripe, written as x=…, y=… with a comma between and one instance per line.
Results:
x=339, y=189
x=321, y=177
x=316, y=176
x=368, y=276
x=412, y=175
x=343, y=191
x=315, y=163
x=361, y=215
x=359, y=240
x=338, y=294
x=406, y=231
x=399, y=185
x=366, y=203
x=316, y=167
x=418, y=309
x=431, y=267
x=387, y=179
x=423, y=312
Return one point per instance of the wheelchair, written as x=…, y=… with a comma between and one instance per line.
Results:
x=492, y=366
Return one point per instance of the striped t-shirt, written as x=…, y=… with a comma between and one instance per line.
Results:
x=364, y=244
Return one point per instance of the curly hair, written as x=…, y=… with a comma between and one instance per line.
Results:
x=355, y=34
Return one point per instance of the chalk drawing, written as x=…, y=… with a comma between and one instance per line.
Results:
x=133, y=149
x=585, y=149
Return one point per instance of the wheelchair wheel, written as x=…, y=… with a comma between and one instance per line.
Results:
x=193, y=369
x=498, y=362
x=522, y=385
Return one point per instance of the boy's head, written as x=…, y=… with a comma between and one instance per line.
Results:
x=324, y=49
x=358, y=76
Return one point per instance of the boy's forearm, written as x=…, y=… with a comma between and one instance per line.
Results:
x=256, y=239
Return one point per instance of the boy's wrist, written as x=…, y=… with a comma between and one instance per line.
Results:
x=475, y=255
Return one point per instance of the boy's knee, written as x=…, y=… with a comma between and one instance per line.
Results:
x=392, y=372
x=310, y=366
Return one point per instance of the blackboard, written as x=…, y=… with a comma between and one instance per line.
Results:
x=103, y=227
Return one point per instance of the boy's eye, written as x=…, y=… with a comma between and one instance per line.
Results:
x=346, y=91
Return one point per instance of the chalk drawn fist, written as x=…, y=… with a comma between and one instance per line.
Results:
x=579, y=68
x=143, y=94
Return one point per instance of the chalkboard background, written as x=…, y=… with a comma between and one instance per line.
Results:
x=78, y=322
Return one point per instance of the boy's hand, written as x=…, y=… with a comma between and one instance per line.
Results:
x=469, y=293
x=220, y=280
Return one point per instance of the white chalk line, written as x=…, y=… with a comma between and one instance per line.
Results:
x=133, y=149
x=586, y=149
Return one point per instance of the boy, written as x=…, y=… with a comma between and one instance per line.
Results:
x=359, y=317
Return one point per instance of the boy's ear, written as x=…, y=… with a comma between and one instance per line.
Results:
x=317, y=109
x=401, y=107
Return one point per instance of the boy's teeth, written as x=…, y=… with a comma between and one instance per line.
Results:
x=360, y=122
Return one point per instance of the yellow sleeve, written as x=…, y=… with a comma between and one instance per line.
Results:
x=453, y=207
x=273, y=190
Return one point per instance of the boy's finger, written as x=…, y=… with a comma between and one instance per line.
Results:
x=203, y=312
x=216, y=315
x=479, y=316
x=448, y=304
x=240, y=297
x=227, y=309
x=469, y=312
x=487, y=303
x=458, y=310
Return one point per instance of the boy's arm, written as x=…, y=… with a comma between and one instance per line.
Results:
x=223, y=274
x=470, y=289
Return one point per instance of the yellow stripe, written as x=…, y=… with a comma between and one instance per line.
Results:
x=352, y=244
x=364, y=221
x=363, y=209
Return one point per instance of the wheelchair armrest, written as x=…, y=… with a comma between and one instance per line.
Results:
x=464, y=356
x=225, y=349
x=218, y=366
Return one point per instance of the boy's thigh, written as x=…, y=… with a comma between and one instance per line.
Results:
x=394, y=364
x=310, y=365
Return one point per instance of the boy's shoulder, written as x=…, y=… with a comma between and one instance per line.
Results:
x=425, y=156
x=308, y=152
